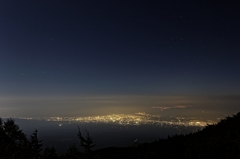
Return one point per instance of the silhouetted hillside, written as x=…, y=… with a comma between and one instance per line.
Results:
x=221, y=141
x=214, y=141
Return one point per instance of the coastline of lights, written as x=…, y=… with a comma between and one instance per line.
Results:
x=136, y=119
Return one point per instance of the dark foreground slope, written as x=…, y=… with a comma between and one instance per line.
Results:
x=214, y=141
x=221, y=141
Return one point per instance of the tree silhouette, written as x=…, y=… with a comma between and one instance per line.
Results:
x=36, y=145
x=14, y=142
x=86, y=143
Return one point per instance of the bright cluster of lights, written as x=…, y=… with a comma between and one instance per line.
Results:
x=135, y=119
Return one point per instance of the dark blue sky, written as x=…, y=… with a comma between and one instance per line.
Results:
x=71, y=48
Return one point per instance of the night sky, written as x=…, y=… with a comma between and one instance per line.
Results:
x=121, y=55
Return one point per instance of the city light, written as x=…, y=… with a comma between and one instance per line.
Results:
x=134, y=119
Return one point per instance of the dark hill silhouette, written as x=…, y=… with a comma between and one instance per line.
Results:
x=221, y=141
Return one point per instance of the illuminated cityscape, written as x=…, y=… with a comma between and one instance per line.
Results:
x=135, y=119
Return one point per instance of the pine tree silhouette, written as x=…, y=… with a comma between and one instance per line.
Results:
x=36, y=145
x=86, y=143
